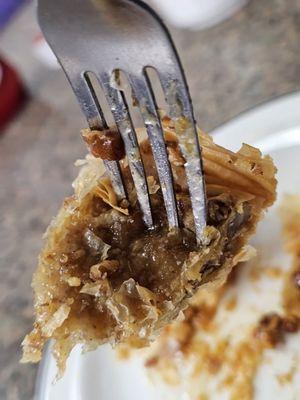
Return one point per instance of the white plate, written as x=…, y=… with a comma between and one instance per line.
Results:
x=275, y=128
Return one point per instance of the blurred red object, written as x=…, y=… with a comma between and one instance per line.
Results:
x=11, y=93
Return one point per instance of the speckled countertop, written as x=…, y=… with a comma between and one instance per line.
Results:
x=242, y=62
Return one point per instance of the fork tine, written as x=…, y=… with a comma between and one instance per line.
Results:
x=114, y=172
x=93, y=108
x=181, y=111
x=89, y=104
x=119, y=108
x=143, y=94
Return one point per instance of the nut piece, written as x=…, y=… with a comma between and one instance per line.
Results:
x=100, y=271
x=272, y=327
x=74, y=281
x=107, y=144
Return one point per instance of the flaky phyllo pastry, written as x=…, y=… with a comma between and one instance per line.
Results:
x=102, y=277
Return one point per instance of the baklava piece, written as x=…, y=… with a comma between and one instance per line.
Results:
x=103, y=277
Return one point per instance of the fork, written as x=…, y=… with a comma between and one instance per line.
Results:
x=108, y=36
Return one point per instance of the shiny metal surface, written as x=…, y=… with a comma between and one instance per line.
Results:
x=102, y=36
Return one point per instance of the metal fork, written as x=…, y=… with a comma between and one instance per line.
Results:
x=104, y=37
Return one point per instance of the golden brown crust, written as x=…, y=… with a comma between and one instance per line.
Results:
x=92, y=288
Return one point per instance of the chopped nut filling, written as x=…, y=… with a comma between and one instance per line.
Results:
x=108, y=144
